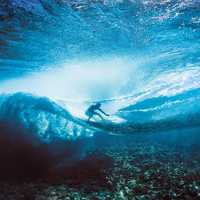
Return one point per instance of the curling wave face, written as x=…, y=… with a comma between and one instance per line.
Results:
x=39, y=118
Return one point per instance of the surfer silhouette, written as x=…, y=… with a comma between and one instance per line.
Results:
x=93, y=110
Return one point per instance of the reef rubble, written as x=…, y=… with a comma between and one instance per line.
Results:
x=133, y=171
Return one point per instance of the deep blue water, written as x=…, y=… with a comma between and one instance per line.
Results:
x=141, y=59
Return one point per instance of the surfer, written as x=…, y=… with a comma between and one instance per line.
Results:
x=93, y=110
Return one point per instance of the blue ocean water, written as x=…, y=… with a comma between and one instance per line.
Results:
x=141, y=59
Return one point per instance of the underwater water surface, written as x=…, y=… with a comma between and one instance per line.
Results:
x=139, y=58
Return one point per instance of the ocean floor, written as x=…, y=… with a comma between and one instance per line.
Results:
x=118, y=171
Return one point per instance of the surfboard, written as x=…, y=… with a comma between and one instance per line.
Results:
x=106, y=126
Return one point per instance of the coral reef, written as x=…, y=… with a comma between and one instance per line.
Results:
x=118, y=171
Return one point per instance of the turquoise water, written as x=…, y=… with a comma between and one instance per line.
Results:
x=146, y=52
x=141, y=59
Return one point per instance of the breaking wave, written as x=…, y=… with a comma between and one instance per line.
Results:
x=141, y=59
x=39, y=117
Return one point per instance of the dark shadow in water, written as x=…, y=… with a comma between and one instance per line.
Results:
x=23, y=159
x=20, y=159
